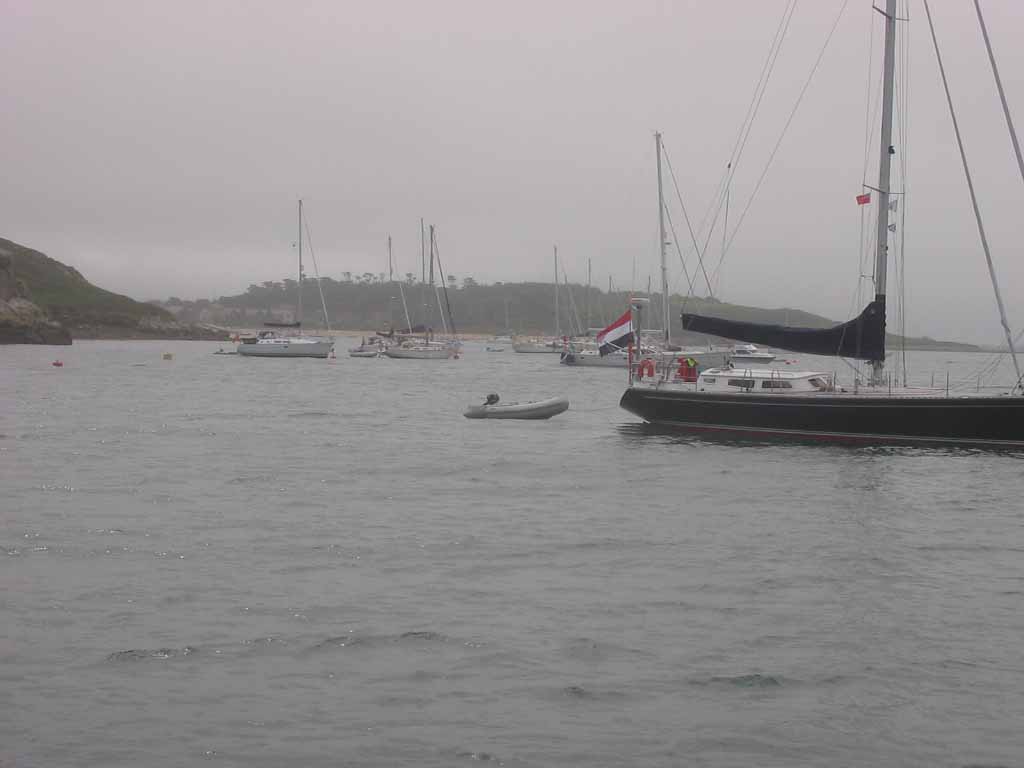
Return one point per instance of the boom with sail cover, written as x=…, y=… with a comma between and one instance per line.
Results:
x=862, y=338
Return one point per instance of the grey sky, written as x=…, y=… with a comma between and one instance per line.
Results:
x=160, y=147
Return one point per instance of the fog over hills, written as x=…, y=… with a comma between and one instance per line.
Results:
x=160, y=149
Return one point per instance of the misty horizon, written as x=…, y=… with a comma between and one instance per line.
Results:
x=161, y=151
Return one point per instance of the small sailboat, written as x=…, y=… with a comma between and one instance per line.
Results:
x=273, y=344
x=540, y=345
x=372, y=347
x=429, y=348
x=492, y=408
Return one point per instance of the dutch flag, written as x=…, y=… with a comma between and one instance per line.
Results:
x=616, y=336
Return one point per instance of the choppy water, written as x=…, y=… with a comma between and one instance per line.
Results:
x=263, y=562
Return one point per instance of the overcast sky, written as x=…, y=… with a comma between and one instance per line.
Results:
x=161, y=147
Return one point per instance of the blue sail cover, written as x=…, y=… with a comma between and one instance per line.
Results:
x=862, y=338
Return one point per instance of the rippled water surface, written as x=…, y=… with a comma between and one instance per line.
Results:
x=270, y=562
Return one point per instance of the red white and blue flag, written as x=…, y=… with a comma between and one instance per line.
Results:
x=616, y=336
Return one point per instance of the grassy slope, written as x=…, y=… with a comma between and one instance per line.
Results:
x=70, y=298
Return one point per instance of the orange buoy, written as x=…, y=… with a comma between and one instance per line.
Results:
x=57, y=364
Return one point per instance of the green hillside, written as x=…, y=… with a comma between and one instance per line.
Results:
x=69, y=298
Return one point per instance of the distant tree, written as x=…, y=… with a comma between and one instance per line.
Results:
x=268, y=284
x=174, y=301
x=368, y=277
x=347, y=276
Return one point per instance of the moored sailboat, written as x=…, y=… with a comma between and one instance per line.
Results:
x=272, y=344
x=809, y=404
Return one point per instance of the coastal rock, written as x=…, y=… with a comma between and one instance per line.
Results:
x=22, y=322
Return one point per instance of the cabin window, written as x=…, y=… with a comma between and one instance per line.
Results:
x=776, y=384
x=708, y=380
x=745, y=383
x=818, y=383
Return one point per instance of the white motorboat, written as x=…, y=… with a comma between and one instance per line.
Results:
x=269, y=344
x=536, y=409
x=748, y=354
x=492, y=348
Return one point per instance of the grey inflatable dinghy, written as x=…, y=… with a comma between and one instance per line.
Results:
x=535, y=409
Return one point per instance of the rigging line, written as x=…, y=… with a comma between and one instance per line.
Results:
x=785, y=129
x=679, y=196
x=999, y=87
x=904, y=164
x=444, y=284
x=723, y=190
x=316, y=269
x=675, y=244
x=974, y=199
x=755, y=101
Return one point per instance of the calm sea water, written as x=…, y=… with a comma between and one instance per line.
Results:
x=266, y=562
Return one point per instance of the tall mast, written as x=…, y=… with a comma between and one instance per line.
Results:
x=558, y=328
x=423, y=272
x=298, y=310
x=884, y=164
x=666, y=324
x=587, y=302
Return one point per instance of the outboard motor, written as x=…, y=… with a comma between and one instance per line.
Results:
x=492, y=399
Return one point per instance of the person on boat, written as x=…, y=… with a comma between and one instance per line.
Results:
x=491, y=399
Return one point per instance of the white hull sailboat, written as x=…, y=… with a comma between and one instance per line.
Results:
x=537, y=346
x=270, y=344
x=428, y=348
x=421, y=350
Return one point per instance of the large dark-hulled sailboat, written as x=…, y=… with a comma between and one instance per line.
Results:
x=810, y=404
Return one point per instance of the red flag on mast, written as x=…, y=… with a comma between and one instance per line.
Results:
x=864, y=199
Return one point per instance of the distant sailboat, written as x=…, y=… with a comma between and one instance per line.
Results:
x=535, y=345
x=270, y=344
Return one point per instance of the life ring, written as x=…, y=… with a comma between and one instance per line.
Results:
x=645, y=368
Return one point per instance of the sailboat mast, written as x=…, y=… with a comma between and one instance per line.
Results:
x=587, y=302
x=666, y=324
x=423, y=272
x=401, y=290
x=298, y=309
x=558, y=328
x=884, y=166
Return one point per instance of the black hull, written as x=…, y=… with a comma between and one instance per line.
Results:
x=974, y=421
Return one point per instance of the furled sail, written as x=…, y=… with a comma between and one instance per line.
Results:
x=862, y=338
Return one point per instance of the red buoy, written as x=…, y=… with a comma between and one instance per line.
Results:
x=57, y=364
